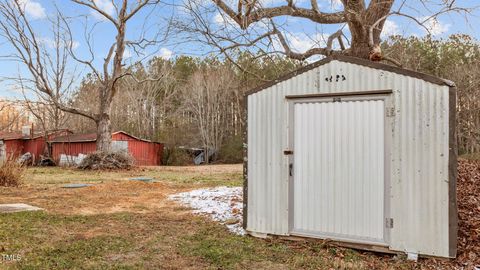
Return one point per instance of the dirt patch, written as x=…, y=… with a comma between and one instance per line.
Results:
x=104, y=198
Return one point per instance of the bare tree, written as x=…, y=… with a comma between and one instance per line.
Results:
x=207, y=97
x=10, y=115
x=48, y=116
x=144, y=107
x=365, y=20
x=19, y=32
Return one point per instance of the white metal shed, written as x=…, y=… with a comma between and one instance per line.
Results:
x=355, y=151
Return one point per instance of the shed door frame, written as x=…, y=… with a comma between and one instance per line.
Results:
x=384, y=95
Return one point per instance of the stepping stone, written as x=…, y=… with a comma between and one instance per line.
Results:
x=143, y=179
x=17, y=207
x=76, y=185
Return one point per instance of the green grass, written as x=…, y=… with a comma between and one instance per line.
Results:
x=227, y=251
x=167, y=237
x=48, y=176
x=136, y=241
x=47, y=241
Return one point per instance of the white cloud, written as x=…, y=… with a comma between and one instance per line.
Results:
x=165, y=53
x=390, y=28
x=434, y=26
x=127, y=54
x=223, y=19
x=269, y=3
x=331, y=4
x=104, y=5
x=52, y=44
x=33, y=9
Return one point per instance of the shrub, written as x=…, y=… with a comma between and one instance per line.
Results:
x=11, y=173
x=107, y=161
x=232, y=150
x=175, y=156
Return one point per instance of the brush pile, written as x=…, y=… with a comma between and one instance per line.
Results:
x=11, y=173
x=107, y=161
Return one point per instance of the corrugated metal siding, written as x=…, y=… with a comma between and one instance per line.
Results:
x=36, y=147
x=14, y=148
x=419, y=159
x=144, y=153
x=72, y=149
x=338, y=185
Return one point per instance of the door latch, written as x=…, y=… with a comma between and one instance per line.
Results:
x=389, y=223
x=290, y=169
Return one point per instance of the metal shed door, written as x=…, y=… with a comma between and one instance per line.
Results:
x=338, y=180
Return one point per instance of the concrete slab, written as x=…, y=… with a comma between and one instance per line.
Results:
x=17, y=207
x=76, y=185
x=143, y=179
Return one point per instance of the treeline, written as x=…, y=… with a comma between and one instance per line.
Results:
x=195, y=102
x=185, y=102
x=457, y=59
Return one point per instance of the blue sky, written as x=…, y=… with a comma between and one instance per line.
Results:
x=300, y=33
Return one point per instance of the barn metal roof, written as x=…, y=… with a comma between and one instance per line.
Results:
x=18, y=135
x=357, y=61
x=88, y=137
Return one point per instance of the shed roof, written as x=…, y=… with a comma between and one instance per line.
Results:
x=357, y=61
x=18, y=135
x=88, y=137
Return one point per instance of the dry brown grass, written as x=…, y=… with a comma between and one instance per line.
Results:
x=11, y=174
x=122, y=224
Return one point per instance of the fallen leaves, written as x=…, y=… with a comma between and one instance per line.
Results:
x=468, y=198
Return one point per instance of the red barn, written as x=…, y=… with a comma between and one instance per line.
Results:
x=145, y=152
x=15, y=144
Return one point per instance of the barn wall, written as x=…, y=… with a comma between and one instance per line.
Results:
x=145, y=153
x=36, y=147
x=14, y=148
x=419, y=161
x=71, y=149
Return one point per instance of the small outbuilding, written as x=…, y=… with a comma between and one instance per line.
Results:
x=355, y=151
x=71, y=148
x=15, y=144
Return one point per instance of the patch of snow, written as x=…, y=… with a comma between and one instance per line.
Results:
x=222, y=204
x=17, y=207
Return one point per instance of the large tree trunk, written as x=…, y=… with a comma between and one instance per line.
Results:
x=104, y=125
x=360, y=48
x=104, y=133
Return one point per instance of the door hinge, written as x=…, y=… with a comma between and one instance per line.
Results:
x=290, y=169
x=389, y=223
x=390, y=112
